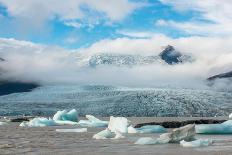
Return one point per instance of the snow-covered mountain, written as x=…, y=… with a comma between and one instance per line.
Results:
x=168, y=56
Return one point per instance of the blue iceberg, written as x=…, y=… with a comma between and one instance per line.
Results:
x=92, y=122
x=151, y=129
x=146, y=141
x=223, y=128
x=65, y=115
x=39, y=122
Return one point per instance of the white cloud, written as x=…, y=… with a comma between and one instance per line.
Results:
x=27, y=61
x=214, y=17
x=136, y=34
x=66, y=10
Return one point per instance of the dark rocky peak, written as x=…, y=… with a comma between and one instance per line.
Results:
x=170, y=55
x=220, y=76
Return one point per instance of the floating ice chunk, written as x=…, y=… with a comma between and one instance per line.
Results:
x=105, y=134
x=230, y=116
x=131, y=129
x=39, y=122
x=151, y=129
x=72, y=130
x=118, y=135
x=66, y=123
x=3, y=123
x=146, y=141
x=183, y=133
x=92, y=122
x=196, y=143
x=119, y=124
x=65, y=115
x=223, y=128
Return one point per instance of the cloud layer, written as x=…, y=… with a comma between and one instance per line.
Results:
x=27, y=61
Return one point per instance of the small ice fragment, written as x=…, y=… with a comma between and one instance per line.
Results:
x=3, y=123
x=65, y=115
x=196, y=143
x=66, y=123
x=118, y=135
x=230, y=116
x=39, y=122
x=92, y=122
x=131, y=129
x=119, y=124
x=105, y=134
x=146, y=141
x=72, y=130
x=151, y=129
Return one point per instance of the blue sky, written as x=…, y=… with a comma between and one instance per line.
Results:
x=43, y=22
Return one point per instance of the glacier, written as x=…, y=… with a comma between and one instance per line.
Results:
x=100, y=100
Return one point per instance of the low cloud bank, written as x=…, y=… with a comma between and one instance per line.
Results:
x=26, y=61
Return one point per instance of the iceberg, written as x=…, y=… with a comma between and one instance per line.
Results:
x=223, y=128
x=230, y=116
x=78, y=130
x=131, y=129
x=65, y=115
x=105, y=134
x=196, y=143
x=118, y=135
x=119, y=124
x=151, y=129
x=176, y=135
x=3, y=123
x=39, y=122
x=92, y=122
x=146, y=141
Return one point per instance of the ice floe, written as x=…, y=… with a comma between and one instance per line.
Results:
x=78, y=130
x=176, y=135
x=146, y=141
x=151, y=129
x=105, y=134
x=65, y=115
x=3, y=123
x=223, y=128
x=196, y=143
x=39, y=122
x=119, y=124
x=92, y=122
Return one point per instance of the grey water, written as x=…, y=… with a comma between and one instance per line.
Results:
x=118, y=101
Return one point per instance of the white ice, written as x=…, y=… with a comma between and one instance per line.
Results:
x=223, y=128
x=92, y=122
x=78, y=130
x=105, y=134
x=196, y=143
x=230, y=116
x=3, y=123
x=119, y=124
x=39, y=122
x=131, y=129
